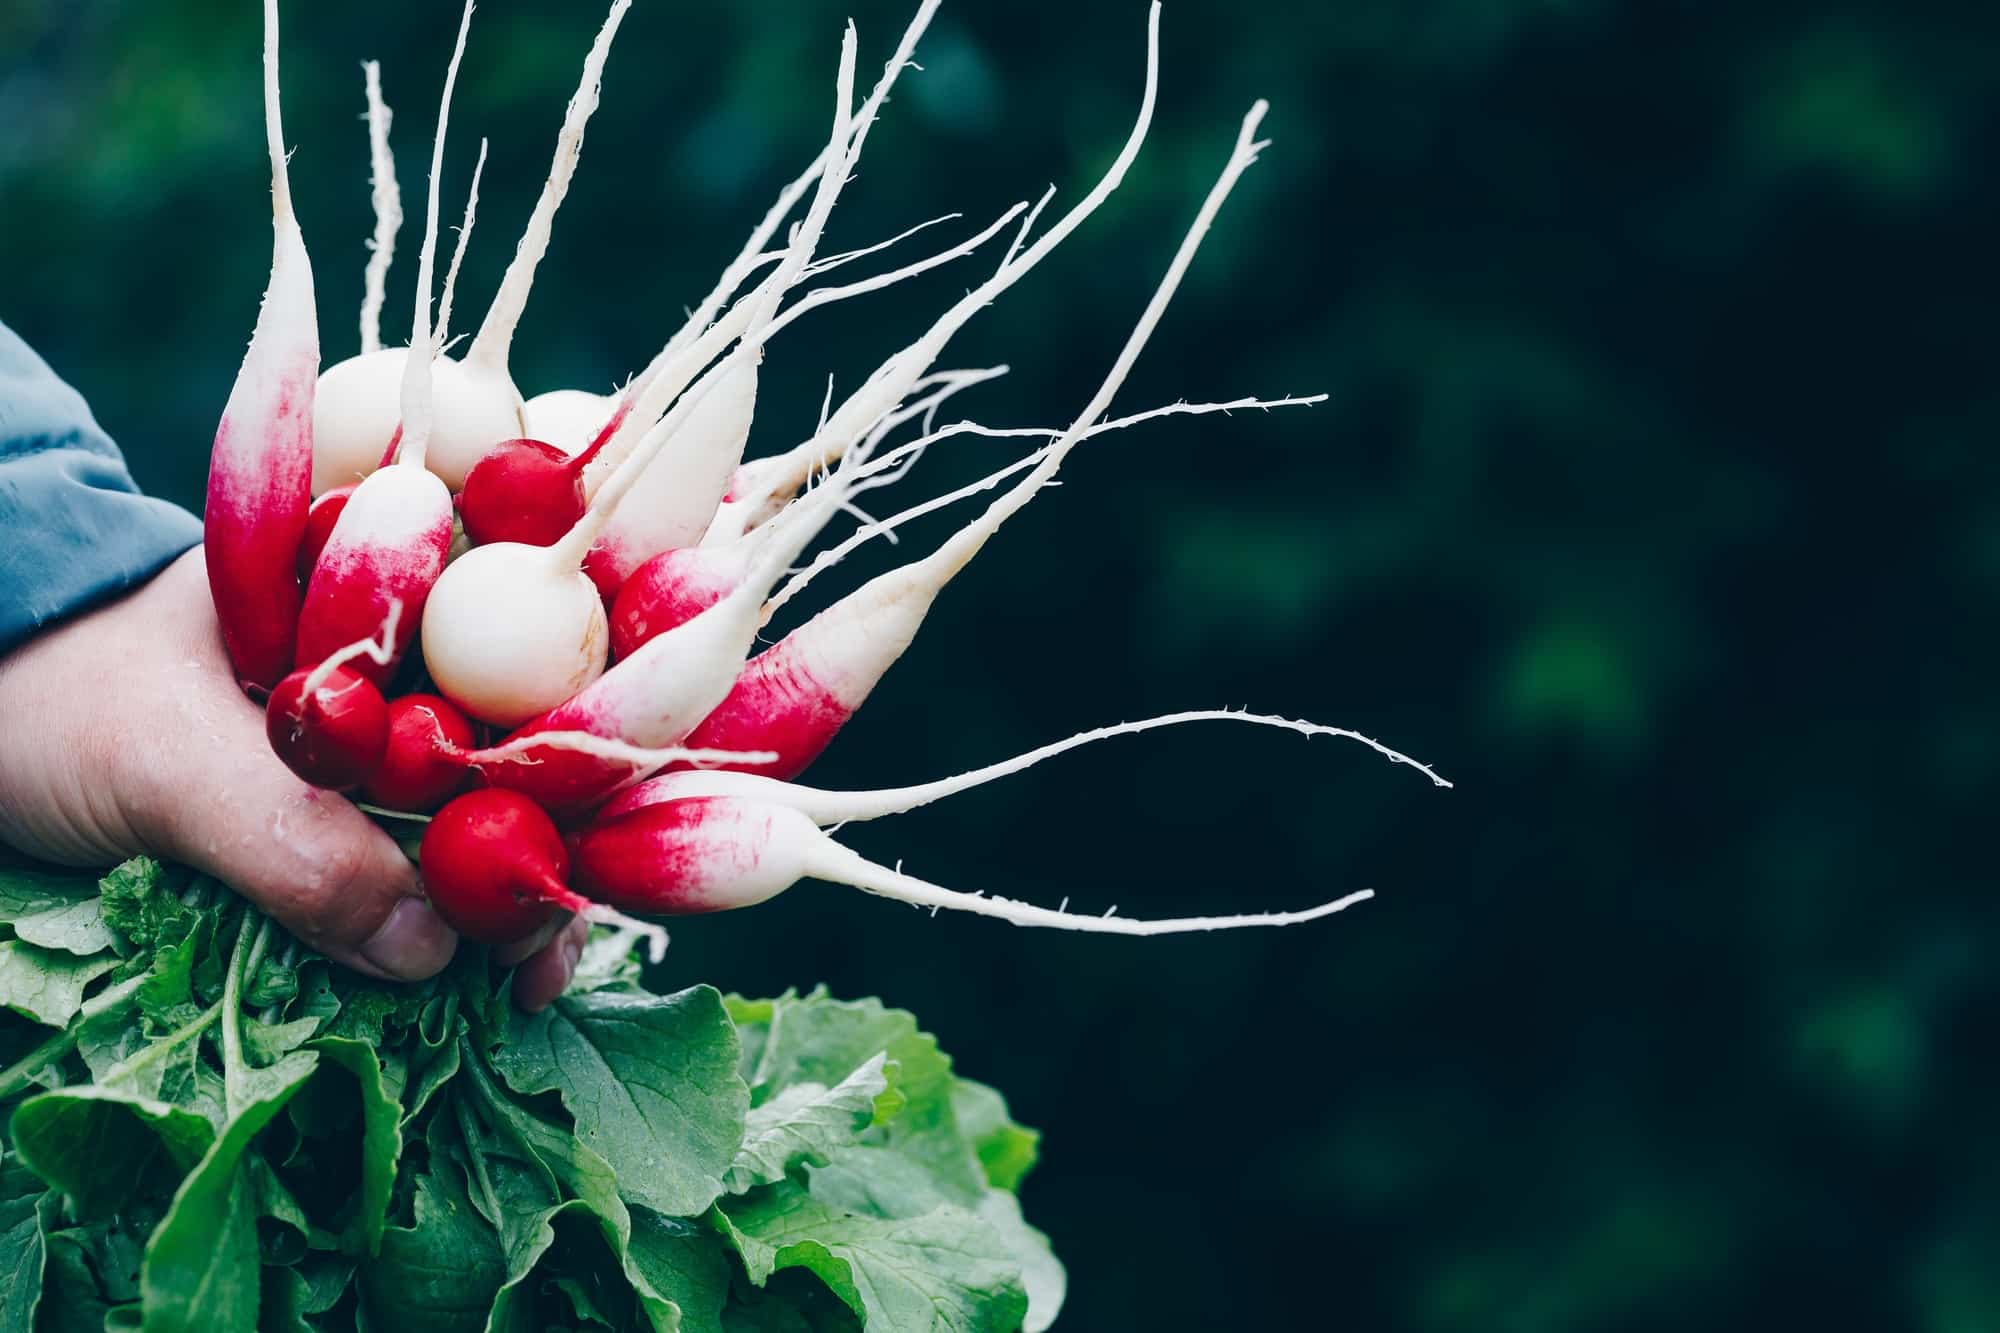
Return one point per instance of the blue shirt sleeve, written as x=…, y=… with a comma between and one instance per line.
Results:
x=74, y=530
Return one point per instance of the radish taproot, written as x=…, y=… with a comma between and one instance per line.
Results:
x=477, y=402
x=393, y=536
x=260, y=470
x=716, y=853
x=794, y=696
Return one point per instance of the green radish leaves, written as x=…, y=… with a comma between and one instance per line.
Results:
x=204, y=1127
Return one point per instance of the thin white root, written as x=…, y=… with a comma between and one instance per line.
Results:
x=387, y=201
x=829, y=860
x=631, y=928
x=274, y=125
x=827, y=295
x=752, y=255
x=826, y=808
x=458, y=251
x=423, y=347
x=496, y=333
x=886, y=527
x=381, y=650
x=522, y=751
x=832, y=262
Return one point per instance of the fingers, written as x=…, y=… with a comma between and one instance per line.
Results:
x=547, y=974
x=206, y=789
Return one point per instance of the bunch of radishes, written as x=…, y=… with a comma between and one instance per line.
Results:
x=582, y=577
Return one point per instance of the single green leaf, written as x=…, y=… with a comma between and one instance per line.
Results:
x=946, y=1270
x=651, y=1082
x=682, y=1263
x=1006, y=1150
x=25, y=1204
x=102, y=1147
x=166, y=996
x=266, y=1042
x=200, y=1272
x=46, y=984
x=293, y=1295
x=381, y=1137
x=610, y=960
x=814, y=1039
x=55, y=912
x=439, y=1274
x=133, y=902
x=802, y=1123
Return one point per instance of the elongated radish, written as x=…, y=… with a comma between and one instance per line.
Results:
x=840, y=807
x=796, y=695
x=260, y=471
x=477, y=405
x=387, y=201
x=715, y=853
x=495, y=867
x=421, y=765
x=328, y=723
x=393, y=536
x=513, y=630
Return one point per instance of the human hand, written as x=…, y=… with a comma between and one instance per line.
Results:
x=126, y=733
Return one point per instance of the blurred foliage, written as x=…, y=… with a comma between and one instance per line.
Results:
x=1655, y=503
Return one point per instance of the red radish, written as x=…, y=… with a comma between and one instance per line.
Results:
x=325, y=512
x=795, y=696
x=513, y=630
x=477, y=402
x=494, y=867
x=393, y=536
x=329, y=723
x=422, y=765
x=714, y=853
x=387, y=201
x=259, y=475
x=332, y=730
x=522, y=491
x=840, y=807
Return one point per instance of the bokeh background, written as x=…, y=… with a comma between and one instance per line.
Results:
x=1655, y=503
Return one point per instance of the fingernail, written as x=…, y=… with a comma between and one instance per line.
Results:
x=413, y=943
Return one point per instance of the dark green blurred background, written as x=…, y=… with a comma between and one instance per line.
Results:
x=1655, y=504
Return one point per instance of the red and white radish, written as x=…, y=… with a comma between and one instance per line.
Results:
x=797, y=694
x=392, y=537
x=477, y=404
x=422, y=762
x=260, y=471
x=328, y=723
x=715, y=853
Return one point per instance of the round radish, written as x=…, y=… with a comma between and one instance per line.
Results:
x=357, y=408
x=568, y=418
x=332, y=730
x=494, y=867
x=521, y=491
x=548, y=643
x=423, y=763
